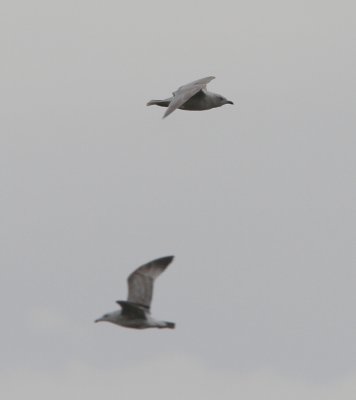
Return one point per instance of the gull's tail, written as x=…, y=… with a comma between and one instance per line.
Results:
x=162, y=103
x=170, y=325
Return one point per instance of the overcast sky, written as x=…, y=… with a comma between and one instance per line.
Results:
x=256, y=200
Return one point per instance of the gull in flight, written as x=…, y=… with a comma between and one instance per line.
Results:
x=135, y=312
x=192, y=96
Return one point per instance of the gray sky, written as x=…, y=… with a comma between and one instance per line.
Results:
x=256, y=200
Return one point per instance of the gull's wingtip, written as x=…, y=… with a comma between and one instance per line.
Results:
x=165, y=115
x=210, y=78
x=167, y=259
x=163, y=261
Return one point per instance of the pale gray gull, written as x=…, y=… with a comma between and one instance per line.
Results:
x=193, y=97
x=135, y=312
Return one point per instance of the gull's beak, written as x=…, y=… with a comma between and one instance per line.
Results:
x=98, y=320
x=229, y=102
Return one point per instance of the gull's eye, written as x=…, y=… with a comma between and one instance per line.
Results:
x=106, y=315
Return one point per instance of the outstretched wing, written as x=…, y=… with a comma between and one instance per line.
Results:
x=185, y=92
x=201, y=81
x=140, y=282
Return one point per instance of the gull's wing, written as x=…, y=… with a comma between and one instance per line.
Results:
x=140, y=282
x=132, y=311
x=185, y=92
x=201, y=81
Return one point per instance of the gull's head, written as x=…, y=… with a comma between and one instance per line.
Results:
x=221, y=100
x=106, y=317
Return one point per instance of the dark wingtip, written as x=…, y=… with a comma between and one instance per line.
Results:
x=165, y=260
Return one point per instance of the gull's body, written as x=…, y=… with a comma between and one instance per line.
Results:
x=193, y=97
x=135, y=312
